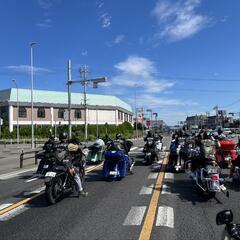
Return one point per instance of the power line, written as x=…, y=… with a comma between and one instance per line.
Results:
x=205, y=90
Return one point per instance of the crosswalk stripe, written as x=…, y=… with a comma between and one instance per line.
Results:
x=146, y=190
x=166, y=189
x=165, y=217
x=135, y=216
x=153, y=176
x=169, y=176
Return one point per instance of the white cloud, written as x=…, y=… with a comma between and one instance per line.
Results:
x=140, y=72
x=84, y=53
x=27, y=69
x=179, y=20
x=105, y=19
x=45, y=4
x=155, y=101
x=119, y=38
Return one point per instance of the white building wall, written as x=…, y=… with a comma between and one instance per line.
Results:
x=103, y=116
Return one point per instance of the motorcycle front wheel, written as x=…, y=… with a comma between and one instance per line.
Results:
x=54, y=191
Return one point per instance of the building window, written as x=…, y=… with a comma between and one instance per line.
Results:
x=41, y=113
x=61, y=113
x=125, y=117
x=22, y=113
x=78, y=114
x=130, y=118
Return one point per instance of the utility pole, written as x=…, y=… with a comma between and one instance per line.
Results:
x=84, y=83
x=136, y=113
x=69, y=99
x=84, y=72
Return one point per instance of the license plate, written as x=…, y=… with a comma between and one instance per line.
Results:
x=113, y=151
x=212, y=171
x=148, y=154
x=112, y=173
x=45, y=166
x=227, y=159
x=50, y=174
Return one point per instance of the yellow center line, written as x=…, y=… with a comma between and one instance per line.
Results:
x=149, y=220
x=26, y=200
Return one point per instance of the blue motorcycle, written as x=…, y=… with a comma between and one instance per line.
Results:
x=116, y=163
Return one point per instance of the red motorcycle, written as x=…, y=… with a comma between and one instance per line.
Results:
x=226, y=153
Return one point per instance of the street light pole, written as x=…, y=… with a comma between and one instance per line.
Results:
x=69, y=99
x=15, y=82
x=31, y=64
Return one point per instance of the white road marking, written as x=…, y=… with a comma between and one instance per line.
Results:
x=13, y=213
x=5, y=205
x=32, y=179
x=135, y=216
x=166, y=189
x=164, y=148
x=16, y=173
x=165, y=217
x=146, y=190
x=38, y=190
x=153, y=176
x=169, y=176
x=133, y=148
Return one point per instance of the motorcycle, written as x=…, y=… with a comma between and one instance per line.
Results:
x=208, y=179
x=116, y=162
x=60, y=179
x=95, y=153
x=232, y=230
x=226, y=153
x=149, y=150
x=47, y=159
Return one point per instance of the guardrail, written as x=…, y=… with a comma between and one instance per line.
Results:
x=23, y=154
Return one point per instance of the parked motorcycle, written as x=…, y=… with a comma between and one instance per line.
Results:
x=149, y=150
x=116, y=162
x=232, y=230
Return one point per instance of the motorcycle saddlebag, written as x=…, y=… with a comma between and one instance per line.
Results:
x=227, y=145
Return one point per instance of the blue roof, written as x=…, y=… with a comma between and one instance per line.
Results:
x=54, y=97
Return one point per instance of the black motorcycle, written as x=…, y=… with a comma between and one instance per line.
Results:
x=47, y=157
x=60, y=179
x=232, y=230
x=149, y=150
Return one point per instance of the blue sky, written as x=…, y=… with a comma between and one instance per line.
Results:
x=180, y=56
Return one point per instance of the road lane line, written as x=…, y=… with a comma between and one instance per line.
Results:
x=169, y=176
x=5, y=205
x=153, y=176
x=146, y=190
x=38, y=190
x=16, y=173
x=149, y=220
x=165, y=217
x=32, y=179
x=13, y=213
x=26, y=200
x=135, y=216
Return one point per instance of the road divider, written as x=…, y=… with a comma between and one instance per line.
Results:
x=151, y=213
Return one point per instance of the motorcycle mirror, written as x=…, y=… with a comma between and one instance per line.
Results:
x=224, y=217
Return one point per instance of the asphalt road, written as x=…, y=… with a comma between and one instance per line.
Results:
x=119, y=209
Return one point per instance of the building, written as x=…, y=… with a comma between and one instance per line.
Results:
x=197, y=121
x=51, y=108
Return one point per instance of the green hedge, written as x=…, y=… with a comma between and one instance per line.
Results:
x=42, y=132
